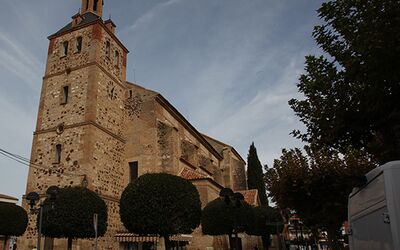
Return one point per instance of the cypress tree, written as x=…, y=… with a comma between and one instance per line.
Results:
x=255, y=176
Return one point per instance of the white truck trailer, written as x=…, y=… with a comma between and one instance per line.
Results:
x=374, y=210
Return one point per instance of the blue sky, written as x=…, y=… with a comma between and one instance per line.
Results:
x=229, y=66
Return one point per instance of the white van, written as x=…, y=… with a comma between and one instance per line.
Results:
x=374, y=210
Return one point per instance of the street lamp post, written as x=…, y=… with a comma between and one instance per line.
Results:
x=32, y=199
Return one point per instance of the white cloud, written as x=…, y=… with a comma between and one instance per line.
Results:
x=19, y=60
x=266, y=118
x=152, y=13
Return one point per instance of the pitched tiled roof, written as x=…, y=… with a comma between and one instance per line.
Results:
x=250, y=196
x=88, y=17
x=190, y=174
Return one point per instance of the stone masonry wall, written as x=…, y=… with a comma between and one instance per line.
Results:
x=58, y=63
x=238, y=173
x=117, y=69
x=110, y=104
x=167, y=147
x=54, y=111
x=189, y=152
x=107, y=171
x=46, y=171
x=141, y=130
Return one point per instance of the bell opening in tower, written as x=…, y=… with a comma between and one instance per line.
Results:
x=96, y=2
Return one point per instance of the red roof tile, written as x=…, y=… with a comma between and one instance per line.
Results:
x=190, y=174
x=250, y=196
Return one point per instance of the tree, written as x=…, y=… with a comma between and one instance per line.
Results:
x=71, y=214
x=219, y=218
x=255, y=176
x=317, y=184
x=13, y=220
x=227, y=216
x=160, y=204
x=267, y=221
x=352, y=92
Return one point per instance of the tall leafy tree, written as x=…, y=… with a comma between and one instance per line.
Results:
x=316, y=184
x=352, y=92
x=161, y=204
x=267, y=221
x=13, y=220
x=255, y=176
x=71, y=214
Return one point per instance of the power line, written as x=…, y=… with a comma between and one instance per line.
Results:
x=14, y=159
x=16, y=156
x=25, y=161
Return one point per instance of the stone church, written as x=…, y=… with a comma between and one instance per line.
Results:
x=96, y=129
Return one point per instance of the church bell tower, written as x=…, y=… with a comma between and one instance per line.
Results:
x=79, y=138
x=94, y=6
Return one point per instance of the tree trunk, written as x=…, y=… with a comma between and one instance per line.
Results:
x=265, y=241
x=167, y=242
x=5, y=242
x=69, y=243
x=237, y=242
x=333, y=240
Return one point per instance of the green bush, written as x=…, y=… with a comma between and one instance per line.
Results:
x=160, y=204
x=71, y=214
x=13, y=219
x=220, y=217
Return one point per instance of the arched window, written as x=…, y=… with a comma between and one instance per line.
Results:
x=96, y=3
x=87, y=4
x=116, y=59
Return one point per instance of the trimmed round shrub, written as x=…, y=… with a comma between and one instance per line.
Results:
x=71, y=214
x=160, y=204
x=220, y=217
x=13, y=219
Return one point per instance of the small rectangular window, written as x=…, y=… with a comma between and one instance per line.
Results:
x=65, y=47
x=65, y=91
x=79, y=44
x=58, y=154
x=116, y=59
x=130, y=93
x=108, y=46
x=133, y=171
